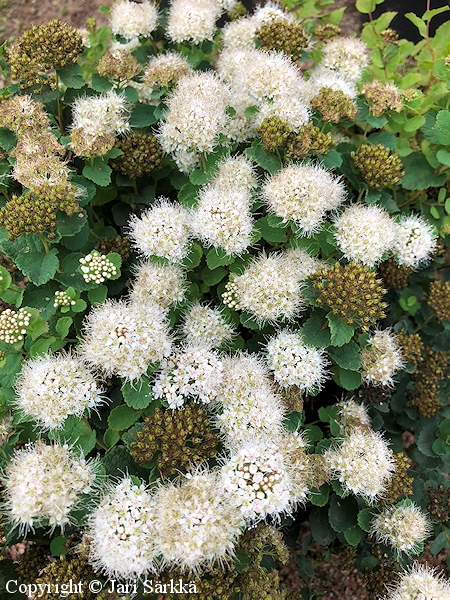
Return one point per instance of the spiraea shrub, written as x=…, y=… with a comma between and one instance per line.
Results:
x=224, y=293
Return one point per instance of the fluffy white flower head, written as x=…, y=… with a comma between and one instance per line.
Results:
x=381, y=358
x=106, y=114
x=162, y=284
x=421, y=583
x=50, y=388
x=125, y=338
x=163, y=230
x=192, y=20
x=403, y=527
x=240, y=33
x=269, y=288
x=250, y=406
x=196, y=523
x=363, y=463
x=346, y=56
x=45, y=483
x=324, y=78
x=132, y=19
x=121, y=531
x=189, y=373
x=353, y=416
x=294, y=363
x=365, y=233
x=303, y=194
x=206, y=327
x=257, y=481
x=415, y=241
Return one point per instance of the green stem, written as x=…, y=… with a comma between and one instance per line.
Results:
x=88, y=425
x=135, y=187
x=419, y=327
x=360, y=194
x=279, y=158
x=45, y=243
x=203, y=161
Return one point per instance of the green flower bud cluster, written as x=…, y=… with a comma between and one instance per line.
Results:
x=334, y=105
x=400, y=484
x=426, y=379
x=390, y=36
x=62, y=299
x=264, y=539
x=284, y=36
x=211, y=583
x=142, y=154
x=119, y=65
x=411, y=347
x=274, y=132
x=13, y=325
x=91, y=24
x=382, y=97
x=33, y=562
x=258, y=582
x=309, y=140
x=381, y=578
x=238, y=10
x=327, y=32
x=393, y=276
x=439, y=299
x=378, y=165
x=439, y=504
x=118, y=244
x=352, y=292
x=346, y=557
x=40, y=49
x=183, y=438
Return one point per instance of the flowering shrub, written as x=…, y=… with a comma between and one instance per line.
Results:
x=225, y=297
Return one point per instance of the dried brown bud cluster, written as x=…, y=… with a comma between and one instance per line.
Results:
x=118, y=65
x=400, y=484
x=142, y=154
x=309, y=140
x=334, y=105
x=394, y=277
x=117, y=244
x=439, y=299
x=426, y=379
x=352, y=292
x=283, y=35
x=439, y=505
x=411, y=347
x=327, y=32
x=378, y=165
x=382, y=97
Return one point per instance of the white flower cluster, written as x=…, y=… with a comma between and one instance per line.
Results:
x=295, y=363
x=162, y=70
x=206, y=327
x=381, y=358
x=125, y=338
x=257, y=481
x=322, y=77
x=97, y=268
x=415, y=241
x=162, y=284
x=163, y=230
x=195, y=118
x=363, y=463
x=353, y=416
x=122, y=531
x=346, y=56
x=365, y=233
x=403, y=527
x=45, y=483
x=421, y=583
x=249, y=405
x=270, y=287
x=63, y=299
x=303, y=194
x=133, y=19
x=50, y=388
x=13, y=325
x=192, y=20
x=223, y=217
x=189, y=373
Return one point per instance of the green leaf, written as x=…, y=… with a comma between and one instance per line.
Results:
x=315, y=333
x=419, y=175
x=354, y=535
x=138, y=395
x=100, y=84
x=63, y=325
x=249, y=321
x=143, y=115
x=349, y=380
x=426, y=437
x=271, y=234
x=347, y=356
x=58, y=546
x=414, y=123
x=188, y=194
x=111, y=437
x=429, y=14
x=442, y=127
x=131, y=95
x=41, y=347
x=72, y=77
x=69, y=226
x=418, y=22
x=428, y=129
x=98, y=295
x=122, y=417
x=8, y=139
x=217, y=257
x=86, y=187
x=365, y=517
x=341, y=333
x=443, y=156
x=37, y=266
x=99, y=172
x=76, y=433
x=319, y=497
x=5, y=279
x=442, y=541
x=116, y=260
x=212, y=277
x=329, y=414
x=193, y=259
x=320, y=527
x=343, y=513
x=269, y=162
x=332, y=160
x=384, y=138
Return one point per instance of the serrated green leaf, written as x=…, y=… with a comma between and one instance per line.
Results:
x=269, y=162
x=99, y=172
x=384, y=138
x=37, y=266
x=414, y=123
x=213, y=277
x=98, y=295
x=347, y=356
x=143, y=115
x=40, y=347
x=331, y=160
x=217, y=257
x=313, y=433
x=442, y=127
x=111, y=437
x=8, y=139
x=273, y=235
x=100, y=84
x=343, y=513
x=5, y=279
x=122, y=417
x=319, y=497
x=131, y=94
x=442, y=541
x=194, y=258
x=354, y=535
x=76, y=433
x=138, y=395
x=79, y=306
x=188, y=194
x=63, y=325
x=315, y=333
x=320, y=527
x=349, y=380
x=58, y=546
x=69, y=226
x=341, y=333
x=426, y=436
x=249, y=321
x=418, y=22
x=365, y=517
x=419, y=175
x=443, y=156
x=72, y=77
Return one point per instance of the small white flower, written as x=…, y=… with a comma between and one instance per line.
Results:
x=403, y=527
x=63, y=299
x=346, y=56
x=365, y=233
x=162, y=284
x=50, y=388
x=45, y=484
x=206, y=327
x=415, y=241
x=133, y=19
x=381, y=358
